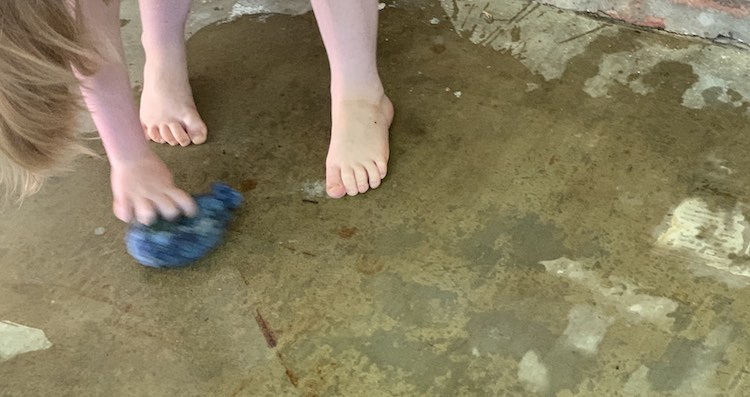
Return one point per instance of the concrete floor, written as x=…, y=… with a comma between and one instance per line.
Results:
x=564, y=215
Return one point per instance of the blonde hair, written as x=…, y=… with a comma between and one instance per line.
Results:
x=40, y=42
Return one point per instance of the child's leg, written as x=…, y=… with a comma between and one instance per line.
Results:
x=168, y=113
x=361, y=113
x=141, y=184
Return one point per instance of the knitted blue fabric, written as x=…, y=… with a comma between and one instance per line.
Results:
x=168, y=244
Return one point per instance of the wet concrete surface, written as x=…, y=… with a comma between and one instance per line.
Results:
x=513, y=250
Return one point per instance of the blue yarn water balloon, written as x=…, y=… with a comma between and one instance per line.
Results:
x=178, y=243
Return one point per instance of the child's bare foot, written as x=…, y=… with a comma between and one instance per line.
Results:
x=358, y=154
x=168, y=112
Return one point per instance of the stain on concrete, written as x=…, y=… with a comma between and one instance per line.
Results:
x=525, y=240
x=535, y=240
x=507, y=333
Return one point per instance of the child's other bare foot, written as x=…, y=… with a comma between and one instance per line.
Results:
x=358, y=154
x=168, y=112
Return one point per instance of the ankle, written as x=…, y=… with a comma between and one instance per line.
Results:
x=372, y=93
x=162, y=53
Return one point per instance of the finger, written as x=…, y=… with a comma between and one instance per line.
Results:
x=184, y=202
x=166, y=207
x=144, y=211
x=123, y=210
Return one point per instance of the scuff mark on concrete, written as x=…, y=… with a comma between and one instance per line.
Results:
x=714, y=237
x=586, y=328
x=254, y=7
x=206, y=12
x=239, y=9
x=533, y=373
x=536, y=35
x=17, y=339
x=313, y=189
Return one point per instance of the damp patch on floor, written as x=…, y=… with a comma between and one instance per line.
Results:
x=720, y=78
x=546, y=39
x=685, y=369
x=617, y=293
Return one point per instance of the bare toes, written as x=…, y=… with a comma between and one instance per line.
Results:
x=178, y=132
x=166, y=134
x=363, y=182
x=383, y=168
x=334, y=184
x=154, y=134
x=350, y=181
x=196, y=129
x=374, y=175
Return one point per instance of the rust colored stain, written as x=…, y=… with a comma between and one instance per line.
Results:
x=248, y=185
x=654, y=22
x=347, y=232
x=647, y=21
x=369, y=266
x=265, y=329
x=735, y=8
x=293, y=378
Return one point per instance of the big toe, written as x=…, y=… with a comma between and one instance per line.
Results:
x=334, y=185
x=196, y=129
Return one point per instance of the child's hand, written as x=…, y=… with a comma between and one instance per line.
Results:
x=143, y=188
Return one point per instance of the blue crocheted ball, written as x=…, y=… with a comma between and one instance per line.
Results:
x=168, y=244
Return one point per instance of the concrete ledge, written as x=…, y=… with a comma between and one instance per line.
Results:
x=721, y=20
